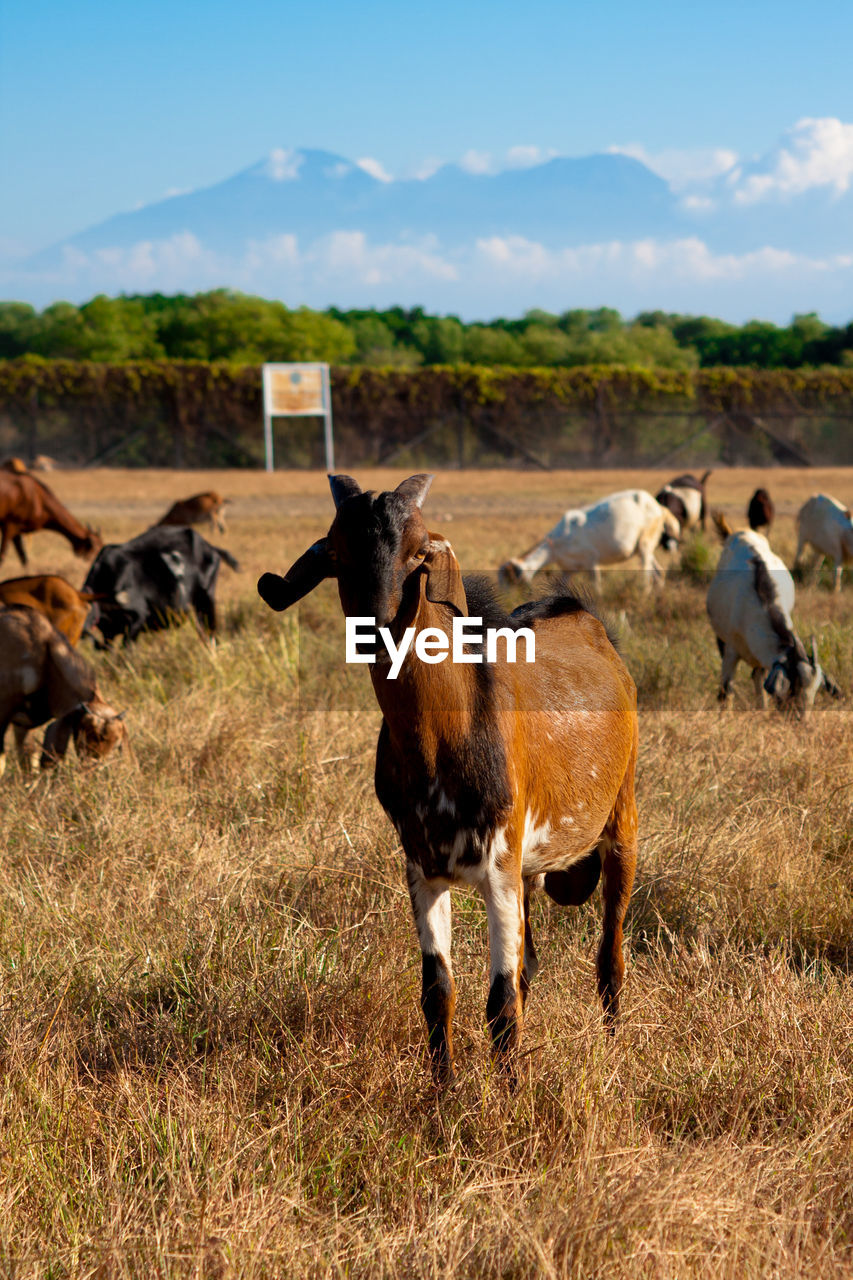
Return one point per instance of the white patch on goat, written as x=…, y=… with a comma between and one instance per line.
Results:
x=503, y=898
x=444, y=804
x=431, y=907
x=29, y=679
x=533, y=835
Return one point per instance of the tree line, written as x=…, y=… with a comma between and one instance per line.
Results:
x=226, y=325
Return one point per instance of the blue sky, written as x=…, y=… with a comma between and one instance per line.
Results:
x=105, y=106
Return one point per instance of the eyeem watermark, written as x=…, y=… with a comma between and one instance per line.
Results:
x=431, y=644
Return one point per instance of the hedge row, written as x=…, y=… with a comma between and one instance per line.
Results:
x=196, y=413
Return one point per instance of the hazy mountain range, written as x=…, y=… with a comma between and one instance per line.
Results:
x=767, y=237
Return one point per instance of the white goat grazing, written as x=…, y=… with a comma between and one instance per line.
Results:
x=828, y=527
x=42, y=678
x=607, y=532
x=750, y=600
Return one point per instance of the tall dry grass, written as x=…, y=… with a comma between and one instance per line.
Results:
x=212, y=1056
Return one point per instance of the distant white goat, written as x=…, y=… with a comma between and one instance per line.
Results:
x=828, y=527
x=750, y=600
x=685, y=498
x=607, y=532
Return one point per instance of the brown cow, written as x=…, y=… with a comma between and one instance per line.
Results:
x=201, y=507
x=27, y=505
x=47, y=593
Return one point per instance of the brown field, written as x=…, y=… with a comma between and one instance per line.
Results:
x=212, y=1050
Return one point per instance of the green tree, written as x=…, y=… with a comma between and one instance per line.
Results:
x=18, y=324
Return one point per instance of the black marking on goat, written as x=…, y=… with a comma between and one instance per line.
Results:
x=760, y=511
x=793, y=648
x=437, y=1005
x=765, y=589
x=673, y=503
x=558, y=606
x=501, y=1014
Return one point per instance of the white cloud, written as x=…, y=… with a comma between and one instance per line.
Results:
x=276, y=251
x=283, y=165
x=350, y=252
x=339, y=170
x=518, y=157
x=427, y=168
x=688, y=259
x=681, y=168
x=374, y=168
x=698, y=204
x=527, y=156
x=176, y=191
x=476, y=162
x=814, y=153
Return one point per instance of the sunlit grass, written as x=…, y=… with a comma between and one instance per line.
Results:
x=212, y=1050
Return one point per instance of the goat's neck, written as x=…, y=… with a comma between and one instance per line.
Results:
x=61, y=521
x=537, y=557
x=429, y=703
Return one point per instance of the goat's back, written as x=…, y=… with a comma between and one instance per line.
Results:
x=739, y=595
x=41, y=676
x=61, y=603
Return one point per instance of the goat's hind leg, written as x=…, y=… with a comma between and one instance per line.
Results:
x=431, y=908
x=530, y=966
x=618, y=849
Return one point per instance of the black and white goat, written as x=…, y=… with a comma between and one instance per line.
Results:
x=749, y=603
x=499, y=775
x=684, y=497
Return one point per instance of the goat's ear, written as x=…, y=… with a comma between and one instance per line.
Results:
x=831, y=687
x=777, y=683
x=815, y=660
x=343, y=487
x=442, y=575
x=415, y=488
x=311, y=567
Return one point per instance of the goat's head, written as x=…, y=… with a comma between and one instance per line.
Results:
x=381, y=553
x=512, y=572
x=88, y=545
x=97, y=730
x=795, y=678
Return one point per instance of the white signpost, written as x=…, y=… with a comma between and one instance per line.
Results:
x=297, y=391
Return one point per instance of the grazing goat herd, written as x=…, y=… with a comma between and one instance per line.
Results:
x=509, y=777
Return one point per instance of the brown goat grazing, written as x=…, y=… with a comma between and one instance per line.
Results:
x=42, y=678
x=504, y=776
x=760, y=511
x=27, y=505
x=196, y=510
x=47, y=593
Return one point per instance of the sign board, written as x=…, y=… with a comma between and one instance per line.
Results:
x=297, y=391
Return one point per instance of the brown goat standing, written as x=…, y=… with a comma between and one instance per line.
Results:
x=499, y=775
x=198, y=509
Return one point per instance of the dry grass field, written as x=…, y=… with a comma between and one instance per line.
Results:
x=212, y=1057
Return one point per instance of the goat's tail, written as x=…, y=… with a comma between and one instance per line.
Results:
x=228, y=558
x=721, y=524
x=705, y=476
